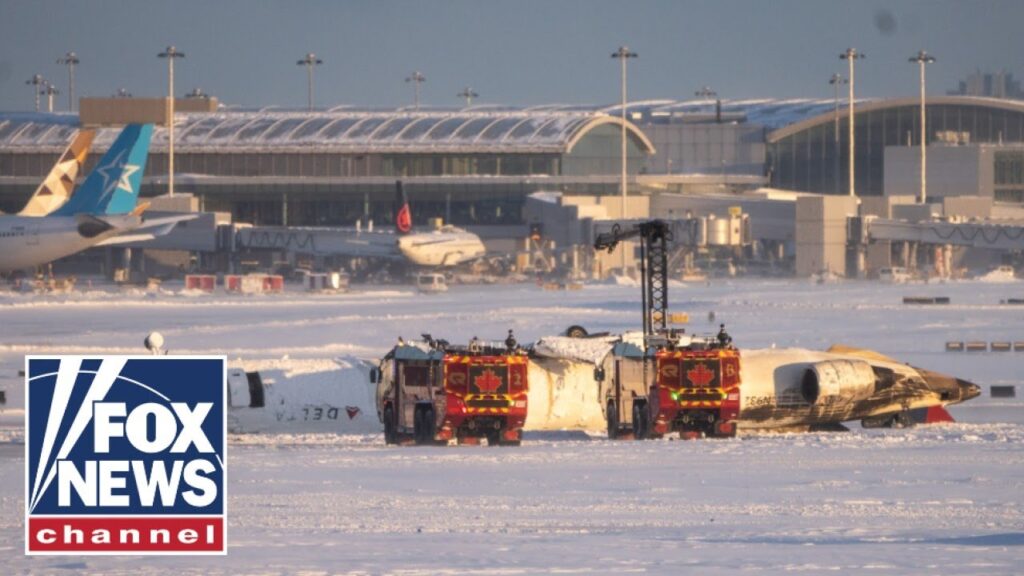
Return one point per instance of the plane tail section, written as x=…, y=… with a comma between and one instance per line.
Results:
x=113, y=185
x=56, y=189
x=403, y=216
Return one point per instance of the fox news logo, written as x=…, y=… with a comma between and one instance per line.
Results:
x=125, y=455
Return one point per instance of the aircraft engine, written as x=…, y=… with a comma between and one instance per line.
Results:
x=840, y=381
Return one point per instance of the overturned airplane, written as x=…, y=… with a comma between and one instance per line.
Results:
x=704, y=386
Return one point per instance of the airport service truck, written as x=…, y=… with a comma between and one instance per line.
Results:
x=667, y=381
x=684, y=385
x=431, y=392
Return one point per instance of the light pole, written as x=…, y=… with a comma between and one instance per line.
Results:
x=468, y=94
x=923, y=58
x=170, y=53
x=850, y=55
x=70, y=60
x=49, y=90
x=707, y=93
x=309, y=62
x=416, y=78
x=35, y=82
x=836, y=80
x=623, y=54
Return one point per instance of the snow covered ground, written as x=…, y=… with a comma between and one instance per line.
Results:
x=942, y=499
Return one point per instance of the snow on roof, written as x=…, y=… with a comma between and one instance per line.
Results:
x=337, y=129
x=591, y=350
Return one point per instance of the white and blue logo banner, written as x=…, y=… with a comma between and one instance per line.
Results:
x=125, y=455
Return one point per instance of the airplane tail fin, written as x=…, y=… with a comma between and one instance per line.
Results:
x=56, y=189
x=113, y=185
x=931, y=415
x=403, y=217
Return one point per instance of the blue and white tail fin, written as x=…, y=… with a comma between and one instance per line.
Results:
x=113, y=185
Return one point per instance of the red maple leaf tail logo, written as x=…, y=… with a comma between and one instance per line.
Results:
x=403, y=222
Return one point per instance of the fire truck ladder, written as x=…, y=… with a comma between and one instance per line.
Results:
x=654, y=236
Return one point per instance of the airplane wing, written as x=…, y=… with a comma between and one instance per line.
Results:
x=148, y=230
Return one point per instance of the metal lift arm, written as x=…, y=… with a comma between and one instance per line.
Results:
x=654, y=237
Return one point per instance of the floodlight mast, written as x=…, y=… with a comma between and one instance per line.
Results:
x=49, y=90
x=70, y=60
x=416, y=78
x=468, y=94
x=922, y=59
x=170, y=53
x=707, y=93
x=623, y=54
x=309, y=61
x=850, y=55
x=35, y=82
x=836, y=80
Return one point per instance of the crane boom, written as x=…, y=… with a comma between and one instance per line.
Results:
x=654, y=236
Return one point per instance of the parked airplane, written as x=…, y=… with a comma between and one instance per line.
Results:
x=100, y=213
x=58, y=185
x=445, y=247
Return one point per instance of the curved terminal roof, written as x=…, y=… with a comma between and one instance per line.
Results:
x=872, y=105
x=473, y=130
x=476, y=129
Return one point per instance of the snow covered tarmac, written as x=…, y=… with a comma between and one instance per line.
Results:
x=925, y=501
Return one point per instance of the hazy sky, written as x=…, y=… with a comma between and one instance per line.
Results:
x=511, y=52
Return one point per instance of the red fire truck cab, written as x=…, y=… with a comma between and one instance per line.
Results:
x=696, y=391
x=680, y=384
x=432, y=392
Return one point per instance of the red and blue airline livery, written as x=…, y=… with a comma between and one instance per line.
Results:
x=125, y=455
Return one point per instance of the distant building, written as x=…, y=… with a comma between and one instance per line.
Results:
x=992, y=84
x=475, y=166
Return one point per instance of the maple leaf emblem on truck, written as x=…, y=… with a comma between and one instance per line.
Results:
x=488, y=382
x=700, y=375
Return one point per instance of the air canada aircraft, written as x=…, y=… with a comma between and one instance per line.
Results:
x=102, y=212
x=58, y=185
x=445, y=247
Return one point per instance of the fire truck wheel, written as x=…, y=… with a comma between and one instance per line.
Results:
x=612, y=416
x=423, y=424
x=390, y=434
x=493, y=437
x=641, y=419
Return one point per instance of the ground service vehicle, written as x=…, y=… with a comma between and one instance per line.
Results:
x=669, y=382
x=431, y=392
x=689, y=386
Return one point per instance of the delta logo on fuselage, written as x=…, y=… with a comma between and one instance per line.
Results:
x=125, y=455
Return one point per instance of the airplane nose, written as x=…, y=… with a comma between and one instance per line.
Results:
x=968, y=390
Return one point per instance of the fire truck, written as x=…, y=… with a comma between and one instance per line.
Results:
x=432, y=392
x=666, y=381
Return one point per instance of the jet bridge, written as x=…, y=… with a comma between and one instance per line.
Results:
x=319, y=241
x=972, y=234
